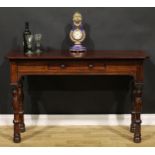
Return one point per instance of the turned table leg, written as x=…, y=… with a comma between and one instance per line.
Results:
x=137, y=112
x=133, y=116
x=21, y=109
x=16, y=121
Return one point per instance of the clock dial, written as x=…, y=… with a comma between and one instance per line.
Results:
x=77, y=34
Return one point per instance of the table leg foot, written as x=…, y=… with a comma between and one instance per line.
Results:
x=137, y=139
x=17, y=138
x=137, y=132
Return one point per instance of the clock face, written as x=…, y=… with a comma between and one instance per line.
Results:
x=77, y=34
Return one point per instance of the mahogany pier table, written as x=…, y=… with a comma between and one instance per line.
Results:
x=128, y=63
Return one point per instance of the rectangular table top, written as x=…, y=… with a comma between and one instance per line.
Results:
x=105, y=54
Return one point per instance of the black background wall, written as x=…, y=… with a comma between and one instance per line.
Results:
x=107, y=29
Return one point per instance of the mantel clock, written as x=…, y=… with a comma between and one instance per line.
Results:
x=77, y=35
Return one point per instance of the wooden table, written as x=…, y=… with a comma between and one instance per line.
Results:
x=119, y=63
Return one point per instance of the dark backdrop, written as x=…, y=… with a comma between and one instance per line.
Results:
x=107, y=29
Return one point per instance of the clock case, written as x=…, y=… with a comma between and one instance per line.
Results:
x=77, y=49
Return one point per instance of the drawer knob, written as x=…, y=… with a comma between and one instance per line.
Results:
x=90, y=66
x=62, y=66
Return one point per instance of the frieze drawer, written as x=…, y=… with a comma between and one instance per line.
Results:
x=76, y=67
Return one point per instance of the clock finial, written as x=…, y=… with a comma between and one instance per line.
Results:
x=77, y=18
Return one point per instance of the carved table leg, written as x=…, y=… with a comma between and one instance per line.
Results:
x=21, y=110
x=16, y=121
x=137, y=109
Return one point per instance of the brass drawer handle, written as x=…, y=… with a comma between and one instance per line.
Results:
x=90, y=66
x=62, y=65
